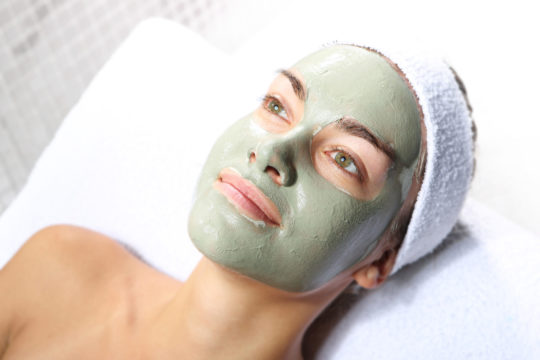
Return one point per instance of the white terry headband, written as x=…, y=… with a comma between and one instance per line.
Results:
x=450, y=158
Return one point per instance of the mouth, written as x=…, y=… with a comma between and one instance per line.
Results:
x=247, y=198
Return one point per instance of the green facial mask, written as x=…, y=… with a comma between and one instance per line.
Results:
x=324, y=230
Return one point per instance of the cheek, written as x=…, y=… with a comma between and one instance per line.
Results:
x=335, y=231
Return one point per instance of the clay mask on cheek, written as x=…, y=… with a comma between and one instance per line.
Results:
x=323, y=230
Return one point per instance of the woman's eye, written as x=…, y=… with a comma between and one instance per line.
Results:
x=275, y=107
x=345, y=161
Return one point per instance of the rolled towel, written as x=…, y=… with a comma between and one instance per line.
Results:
x=450, y=158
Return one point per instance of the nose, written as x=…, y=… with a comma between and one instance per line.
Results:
x=276, y=155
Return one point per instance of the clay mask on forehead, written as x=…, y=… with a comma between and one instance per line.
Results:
x=325, y=228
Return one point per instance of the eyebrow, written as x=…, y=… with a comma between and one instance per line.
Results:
x=354, y=128
x=296, y=84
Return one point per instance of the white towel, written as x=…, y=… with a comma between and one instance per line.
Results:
x=450, y=151
x=476, y=297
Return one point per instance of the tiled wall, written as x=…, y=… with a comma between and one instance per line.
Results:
x=50, y=50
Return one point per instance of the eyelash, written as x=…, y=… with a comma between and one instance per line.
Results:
x=359, y=176
x=265, y=101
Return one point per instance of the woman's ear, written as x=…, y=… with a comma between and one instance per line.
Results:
x=374, y=274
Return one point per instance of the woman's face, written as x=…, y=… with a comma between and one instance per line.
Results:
x=302, y=188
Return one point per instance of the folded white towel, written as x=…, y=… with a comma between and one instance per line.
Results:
x=450, y=156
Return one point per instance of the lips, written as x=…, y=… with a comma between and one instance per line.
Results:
x=247, y=198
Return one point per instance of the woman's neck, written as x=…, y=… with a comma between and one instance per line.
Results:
x=220, y=314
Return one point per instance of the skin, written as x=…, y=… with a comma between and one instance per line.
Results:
x=330, y=221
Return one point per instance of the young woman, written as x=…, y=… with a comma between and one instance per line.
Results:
x=311, y=191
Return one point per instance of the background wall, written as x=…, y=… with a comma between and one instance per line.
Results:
x=50, y=49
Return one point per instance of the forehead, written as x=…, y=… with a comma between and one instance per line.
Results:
x=345, y=80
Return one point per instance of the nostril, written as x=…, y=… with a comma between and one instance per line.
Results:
x=252, y=157
x=274, y=175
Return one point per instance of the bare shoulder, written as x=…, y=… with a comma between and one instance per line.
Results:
x=69, y=281
x=56, y=263
x=55, y=248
